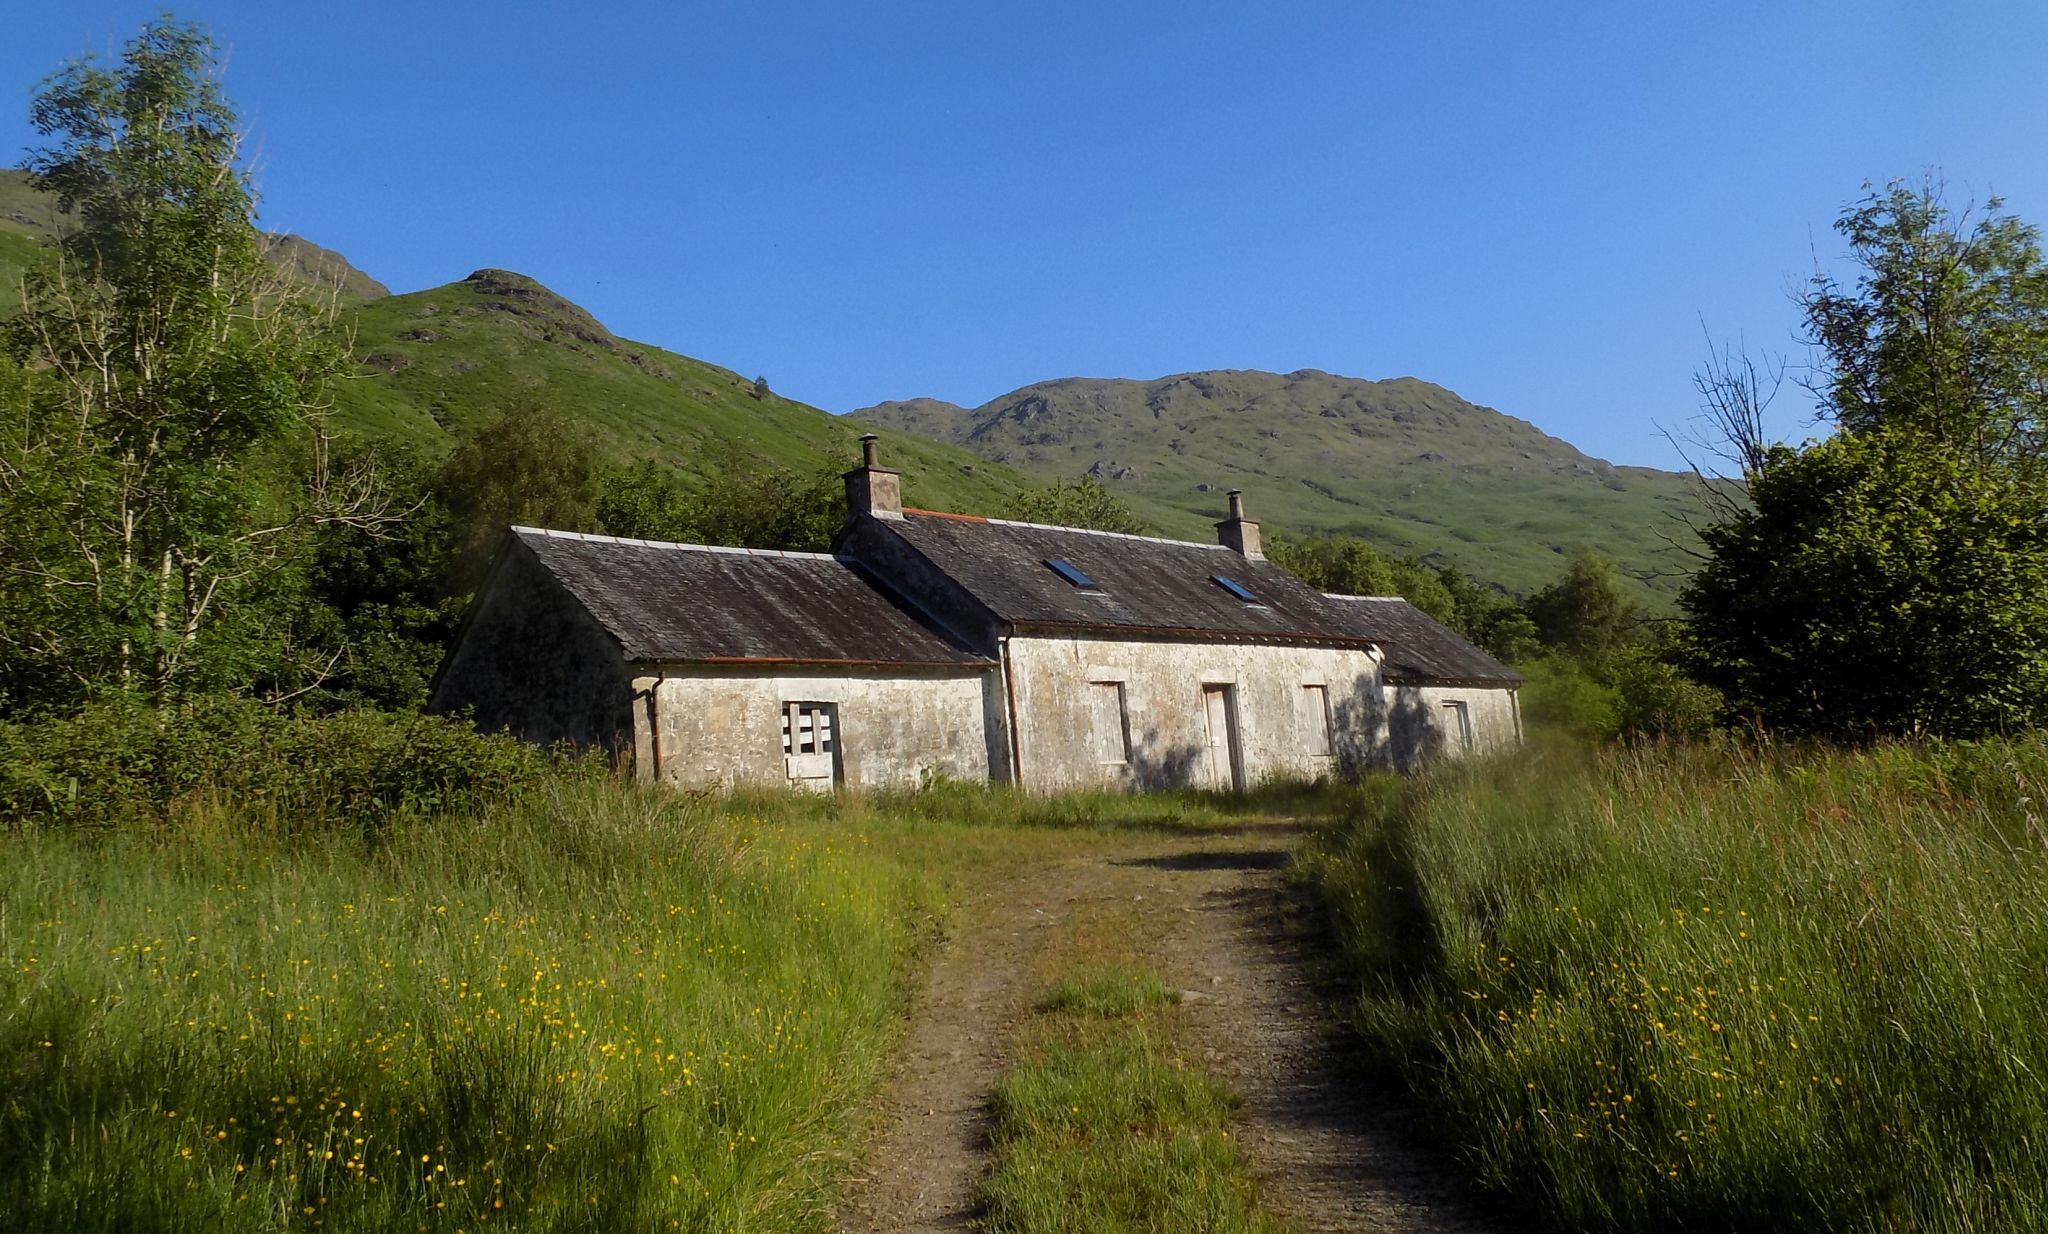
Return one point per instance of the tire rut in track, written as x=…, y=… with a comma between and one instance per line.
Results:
x=1215, y=913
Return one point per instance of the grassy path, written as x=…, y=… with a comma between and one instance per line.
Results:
x=1212, y=911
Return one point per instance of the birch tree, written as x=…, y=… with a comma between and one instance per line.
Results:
x=164, y=459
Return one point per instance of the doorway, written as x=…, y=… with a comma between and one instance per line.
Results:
x=1226, y=755
x=810, y=745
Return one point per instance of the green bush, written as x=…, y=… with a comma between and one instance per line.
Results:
x=1655, y=698
x=120, y=762
x=1560, y=694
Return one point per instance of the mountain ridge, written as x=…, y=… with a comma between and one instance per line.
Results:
x=1401, y=461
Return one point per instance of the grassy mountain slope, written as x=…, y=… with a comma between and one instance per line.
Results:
x=29, y=218
x=436, y=364
x=1407, y=465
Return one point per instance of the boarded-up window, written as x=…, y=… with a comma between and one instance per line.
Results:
x=1315, y=719
x=807, y=728
x=1458, y=724
x=1110, y=722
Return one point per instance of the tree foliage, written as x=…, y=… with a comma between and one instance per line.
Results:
x=744, y=505
x=166, y=470
x=1586, y=612
x=1890, y=579
x=1347, y=565
x=1883, y=582
x=528, y=467
x=1085, y=502
x=1944, y=332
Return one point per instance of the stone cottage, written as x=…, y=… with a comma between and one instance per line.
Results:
x=984, y=649
x=1442, y=695
x=719, y=665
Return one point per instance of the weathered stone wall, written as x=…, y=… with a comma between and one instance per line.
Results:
x=723, y=725
x=1062, y=705
x=1421, y=726
x=532, y=662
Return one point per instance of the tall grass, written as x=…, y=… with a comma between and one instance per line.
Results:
x=1718, y=987
x=601, y=1009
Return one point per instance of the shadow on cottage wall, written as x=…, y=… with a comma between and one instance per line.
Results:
x=1413, y=736
x=1156, y=763
x=1394, y=729
x=1358, y=729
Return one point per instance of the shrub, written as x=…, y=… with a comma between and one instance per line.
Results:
x=1558, y=693
x=119, y=762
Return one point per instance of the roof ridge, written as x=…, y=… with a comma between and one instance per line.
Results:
x=1079, y=531
x=594, y=538
x=1338, y=595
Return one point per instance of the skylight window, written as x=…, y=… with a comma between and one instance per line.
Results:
x=1235, y=588
x=1071, y=572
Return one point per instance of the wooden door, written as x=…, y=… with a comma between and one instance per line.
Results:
x=1225, y=760
x=810, y=745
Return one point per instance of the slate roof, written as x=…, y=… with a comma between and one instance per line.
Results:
x=693, y=603
x=1141, y=584
x=1420, y=649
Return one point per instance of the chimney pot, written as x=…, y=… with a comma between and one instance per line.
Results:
x=1237, y=531
x=872, y=489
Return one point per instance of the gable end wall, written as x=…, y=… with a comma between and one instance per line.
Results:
x=892, y=559
x=532, y=662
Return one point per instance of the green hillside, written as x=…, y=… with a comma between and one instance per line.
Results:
x=1403, y=463
x=26, y=218
x=1407, y=465
x=29, y=218
x=437, y=364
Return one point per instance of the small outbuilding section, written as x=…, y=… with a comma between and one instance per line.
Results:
x=1444, y=696
x=720, y=666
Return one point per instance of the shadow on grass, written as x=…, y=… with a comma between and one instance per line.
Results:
x=1256, y=859
x=1164, y=811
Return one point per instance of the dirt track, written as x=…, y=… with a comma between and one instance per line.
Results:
x=1214, y=913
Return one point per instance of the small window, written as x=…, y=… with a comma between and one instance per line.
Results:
x=807, y=728
x=1110, y=723
x=1458, y=724
x=1315, y=719
x=1235, y=588
x=1071, y=572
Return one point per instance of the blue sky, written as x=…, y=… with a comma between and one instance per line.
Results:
x=1535, y=205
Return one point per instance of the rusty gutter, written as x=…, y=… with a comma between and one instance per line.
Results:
x=653, y=695
x=1010, y=701
x=978, y=663
x=1197, y=634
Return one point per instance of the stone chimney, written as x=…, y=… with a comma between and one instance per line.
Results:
x=1239, y=532
x=874, y=489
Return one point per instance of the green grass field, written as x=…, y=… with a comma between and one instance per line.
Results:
x=1719, y=988
x=603, y=1008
